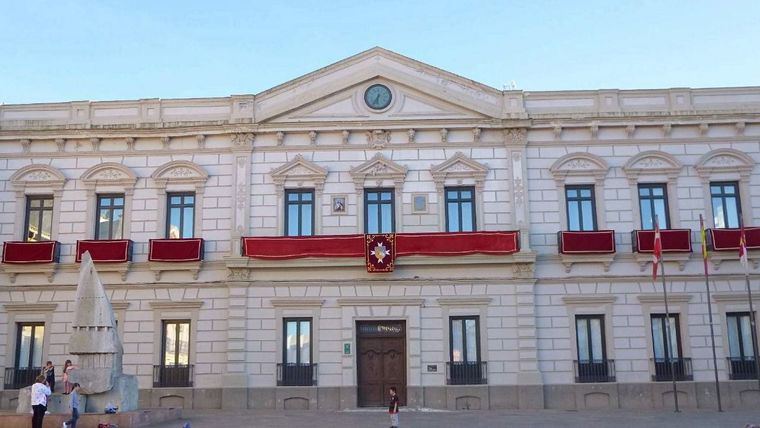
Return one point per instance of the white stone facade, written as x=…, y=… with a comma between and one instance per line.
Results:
x=517, y=149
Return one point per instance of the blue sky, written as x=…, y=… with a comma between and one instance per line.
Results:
x=103, y=50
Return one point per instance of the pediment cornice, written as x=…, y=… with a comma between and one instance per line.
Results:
x=459, y=167
x=378, y=168
x=299, y=169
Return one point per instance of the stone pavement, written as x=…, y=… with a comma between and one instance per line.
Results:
x=475, y=419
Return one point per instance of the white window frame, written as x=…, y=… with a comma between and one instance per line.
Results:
x=300, y=174
x=109, y=178
x=726, y=165
x=460, y=171
x=179, y=176
x=654, y=167
x=38, y=180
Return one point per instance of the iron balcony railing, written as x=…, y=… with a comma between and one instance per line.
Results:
x=741, y=368
x=466, y=373
x=175, y=376
x=665, y=369
x=594, y=371
x=17, y=378
x=293, y=374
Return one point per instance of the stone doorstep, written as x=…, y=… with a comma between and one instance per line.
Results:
x=139, y=418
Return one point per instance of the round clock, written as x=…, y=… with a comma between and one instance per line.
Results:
x=378, y=97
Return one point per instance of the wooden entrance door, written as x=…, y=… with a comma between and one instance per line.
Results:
x=381, y=361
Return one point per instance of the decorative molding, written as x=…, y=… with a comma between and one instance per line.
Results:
x=180, y=304
x=380, y=301
x=313, y=137
x=594, y=128
x=26, y=145
x=180, y=171
x=95, y=144
x=517, y=136
x=61, y=144
x=703, y=128
x=243, y=141
x=459, y=167
x=595, y=299
x=158, y=268
x=652, y=162
x=378, y=138
x=557, y=131
x=444, y=135
x=658, y=298
x=411, y=134
x=109, y=173
x=165, y=141
x=38, y=176
x=725, y=160
x=464, y=301
x=630, y=130
x=296, y=302
x=30, y=307
x=476, y=133
x=130, y=143
x=120, y=306
x=740, y=126
x=345, y=135
x=579, y=164
x=740, y=297
x=299, y=169
x=378, y=168
x=201, y=139
x=568, y=260
x=280, y=137
x=667, y=129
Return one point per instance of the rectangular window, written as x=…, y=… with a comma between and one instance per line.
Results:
x=39, y=218
x=725, y=204
x=299, y=212
x=741, y=346
x=379, y=211
x=653, y=201
x=581, y=211
x=28, y=362
x=296, y=367
x=592, y=365
x=460, y=209
x=465, y=367
x=667, y=361
x=109, y=221
x=176, y=343
x=175, y=369
x=181, y=215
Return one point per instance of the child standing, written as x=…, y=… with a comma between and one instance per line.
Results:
x=67, y=368
x=49, y=372
x=393, y=407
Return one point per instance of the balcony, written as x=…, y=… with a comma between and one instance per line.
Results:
x=592, y=371
x=292, y=374
x=741, y=368
x=466, y=373
x=676, y=246
x=175, y=255
x=178, y=376
x=18, y=252
x=728, y=239
x=105, y=251
x=592, y=246
x=17, y=378
x=665, y=369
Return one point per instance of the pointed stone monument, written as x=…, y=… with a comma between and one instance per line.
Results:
x=95, y=342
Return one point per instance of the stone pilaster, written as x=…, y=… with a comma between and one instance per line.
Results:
x=242, y=150
x=235, y=378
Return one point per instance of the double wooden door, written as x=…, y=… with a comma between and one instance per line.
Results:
x=381, y=361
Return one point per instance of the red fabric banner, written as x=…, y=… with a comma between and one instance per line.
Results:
x=728, y=239
x=106, y=251
x=457, y=244
x=380, y=252
x=673, y=240
x=18, y=252
x=176, y=250
x=588, y=242
x=294, y=247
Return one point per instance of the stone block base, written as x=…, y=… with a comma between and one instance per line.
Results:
x=140, y=418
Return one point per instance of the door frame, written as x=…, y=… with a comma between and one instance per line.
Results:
x=368, y=320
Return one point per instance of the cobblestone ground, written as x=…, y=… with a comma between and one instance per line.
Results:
x=484, y=419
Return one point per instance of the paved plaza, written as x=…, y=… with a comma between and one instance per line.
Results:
x=479, y=419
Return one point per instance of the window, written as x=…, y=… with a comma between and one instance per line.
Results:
x=296, y=367
x=592, y=356
x=109, y=221
x=653, y=201
x=666, y=360
x=741, y=346
x=175, y=369
x=378, y=211
x=29, y=341
x=725, y=204
x=181, y=209
x=299, y=212
x=465, y=367
x=460, y=209
x=39, y=218
x=581, y=212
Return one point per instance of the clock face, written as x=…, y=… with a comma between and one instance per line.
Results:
x=377, y=97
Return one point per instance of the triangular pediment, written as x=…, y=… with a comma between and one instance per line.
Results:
x=379, y=167
x=299, y=169
x=418, y=91
x=458, y=166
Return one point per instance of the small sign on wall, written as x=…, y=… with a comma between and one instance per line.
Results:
x=346, y=349
x=432, y=368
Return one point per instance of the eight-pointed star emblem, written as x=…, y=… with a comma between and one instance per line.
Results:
x=380, y=252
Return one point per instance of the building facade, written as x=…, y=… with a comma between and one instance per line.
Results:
x=176, y=197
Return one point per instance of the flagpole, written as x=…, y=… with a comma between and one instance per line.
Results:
x=709, y=310
x=669, y=354
x=745, y=262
